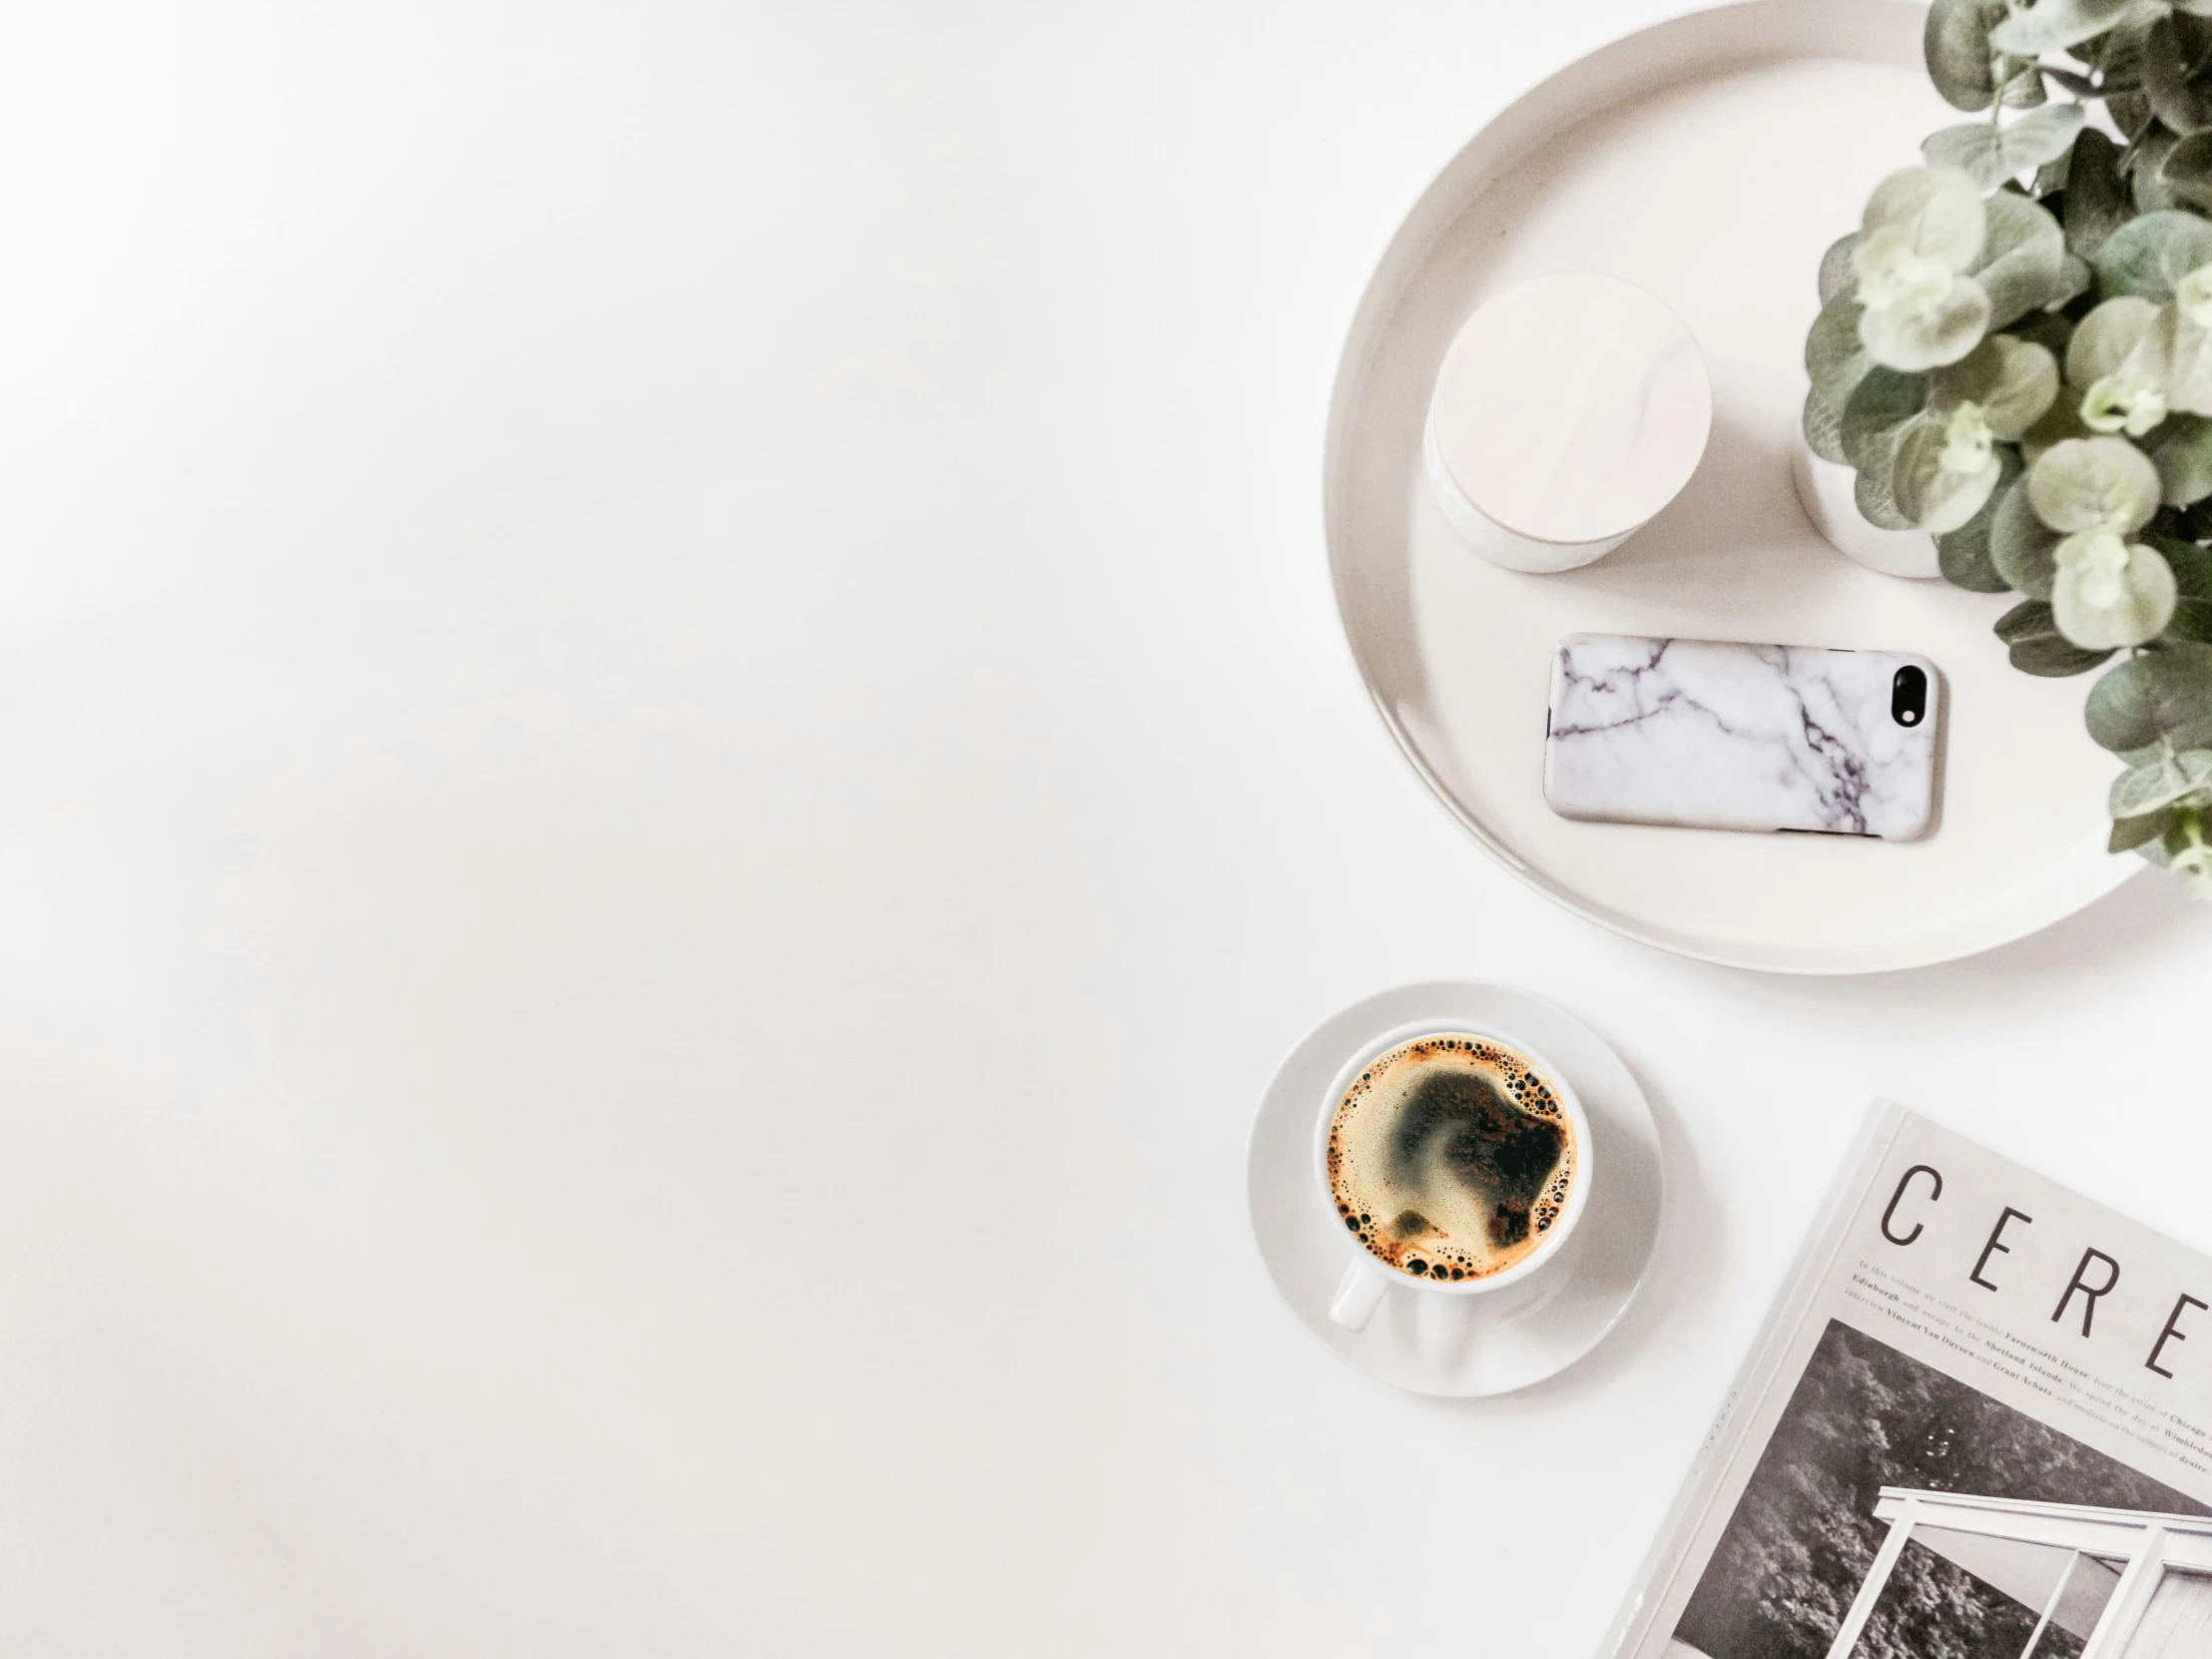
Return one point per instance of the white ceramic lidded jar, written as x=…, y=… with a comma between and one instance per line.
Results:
x=1567, y=412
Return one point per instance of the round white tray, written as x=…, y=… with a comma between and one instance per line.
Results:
x=1710, y=159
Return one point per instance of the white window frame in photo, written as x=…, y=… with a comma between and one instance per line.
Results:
x=2150, y=1545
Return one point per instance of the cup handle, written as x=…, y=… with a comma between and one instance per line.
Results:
x=1358, y=1293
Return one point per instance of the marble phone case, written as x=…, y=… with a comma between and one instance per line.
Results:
x=1710, y=735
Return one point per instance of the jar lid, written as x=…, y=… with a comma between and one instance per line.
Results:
x=1571, y=408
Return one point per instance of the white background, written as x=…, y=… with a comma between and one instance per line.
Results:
x=676, y=756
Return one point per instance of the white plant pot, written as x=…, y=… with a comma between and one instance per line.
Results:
x=1826, y=489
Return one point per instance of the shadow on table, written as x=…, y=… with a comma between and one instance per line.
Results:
x=2148, y=921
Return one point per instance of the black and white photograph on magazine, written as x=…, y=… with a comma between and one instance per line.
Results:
x=1897, y=1514
x=1974, y=1428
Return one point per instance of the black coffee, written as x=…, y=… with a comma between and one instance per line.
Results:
x=1450, y=1157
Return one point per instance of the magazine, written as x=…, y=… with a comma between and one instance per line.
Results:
x=1977, y=1426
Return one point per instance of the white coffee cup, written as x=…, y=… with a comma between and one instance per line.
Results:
x=1367, y=1277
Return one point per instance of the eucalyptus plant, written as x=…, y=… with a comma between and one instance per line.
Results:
x=2014, y=353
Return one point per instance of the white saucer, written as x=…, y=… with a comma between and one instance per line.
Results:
x=1460, y=1346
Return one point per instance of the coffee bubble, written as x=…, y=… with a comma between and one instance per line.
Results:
x=1450, y=1157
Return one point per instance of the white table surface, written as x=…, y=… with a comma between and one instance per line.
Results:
x=676, y=758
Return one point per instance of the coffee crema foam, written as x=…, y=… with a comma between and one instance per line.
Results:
x=1450, y=1157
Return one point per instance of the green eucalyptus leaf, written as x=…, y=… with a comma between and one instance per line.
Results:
x=2166, y=692
x=2076, y=276
x=1946, y=332
x=2119, y=365
x=2096, y=201
x=2192, y=620
x=2177, y=61
x=1823, y=429
x=2117, y=54
x=1974, y=149
x=1991, y=155
x=2192, y=568
x=2181, y=450
x=2148, y=256
x=2099, y=484
x=2106, y=338
x=2024, y=621
x=2183, y=847
x=1938, y=210
x=2051, y=330
x=2013, y=382
x=2130, y=112
x=2032, y=280
x=2043, y=134
x=2145, y=168
x=2173, y=777
x=2185, y=347
x=2010, y=224
x=2081, y=86
x=2034, y=642
x=2049, y=25
x=2193, y=565
x=2053, y=656
x=2024, y=91
x=2129, y=834
x=2060, y=423
x=1875, y=504
x=1956, y=45
x=1837, y=274
x=2021, y=549
x=1938, y=484
x=1875, y=417
x=2110, y=592
x=1835, y=358
x=2187, y=171
x=1964, y=553
x=2023, y=265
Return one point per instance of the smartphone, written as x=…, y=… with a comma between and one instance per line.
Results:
x=1716, y=735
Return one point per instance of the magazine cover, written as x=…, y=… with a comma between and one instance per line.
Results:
x=1977, y=1426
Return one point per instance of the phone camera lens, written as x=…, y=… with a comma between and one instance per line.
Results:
x=1909, y=695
